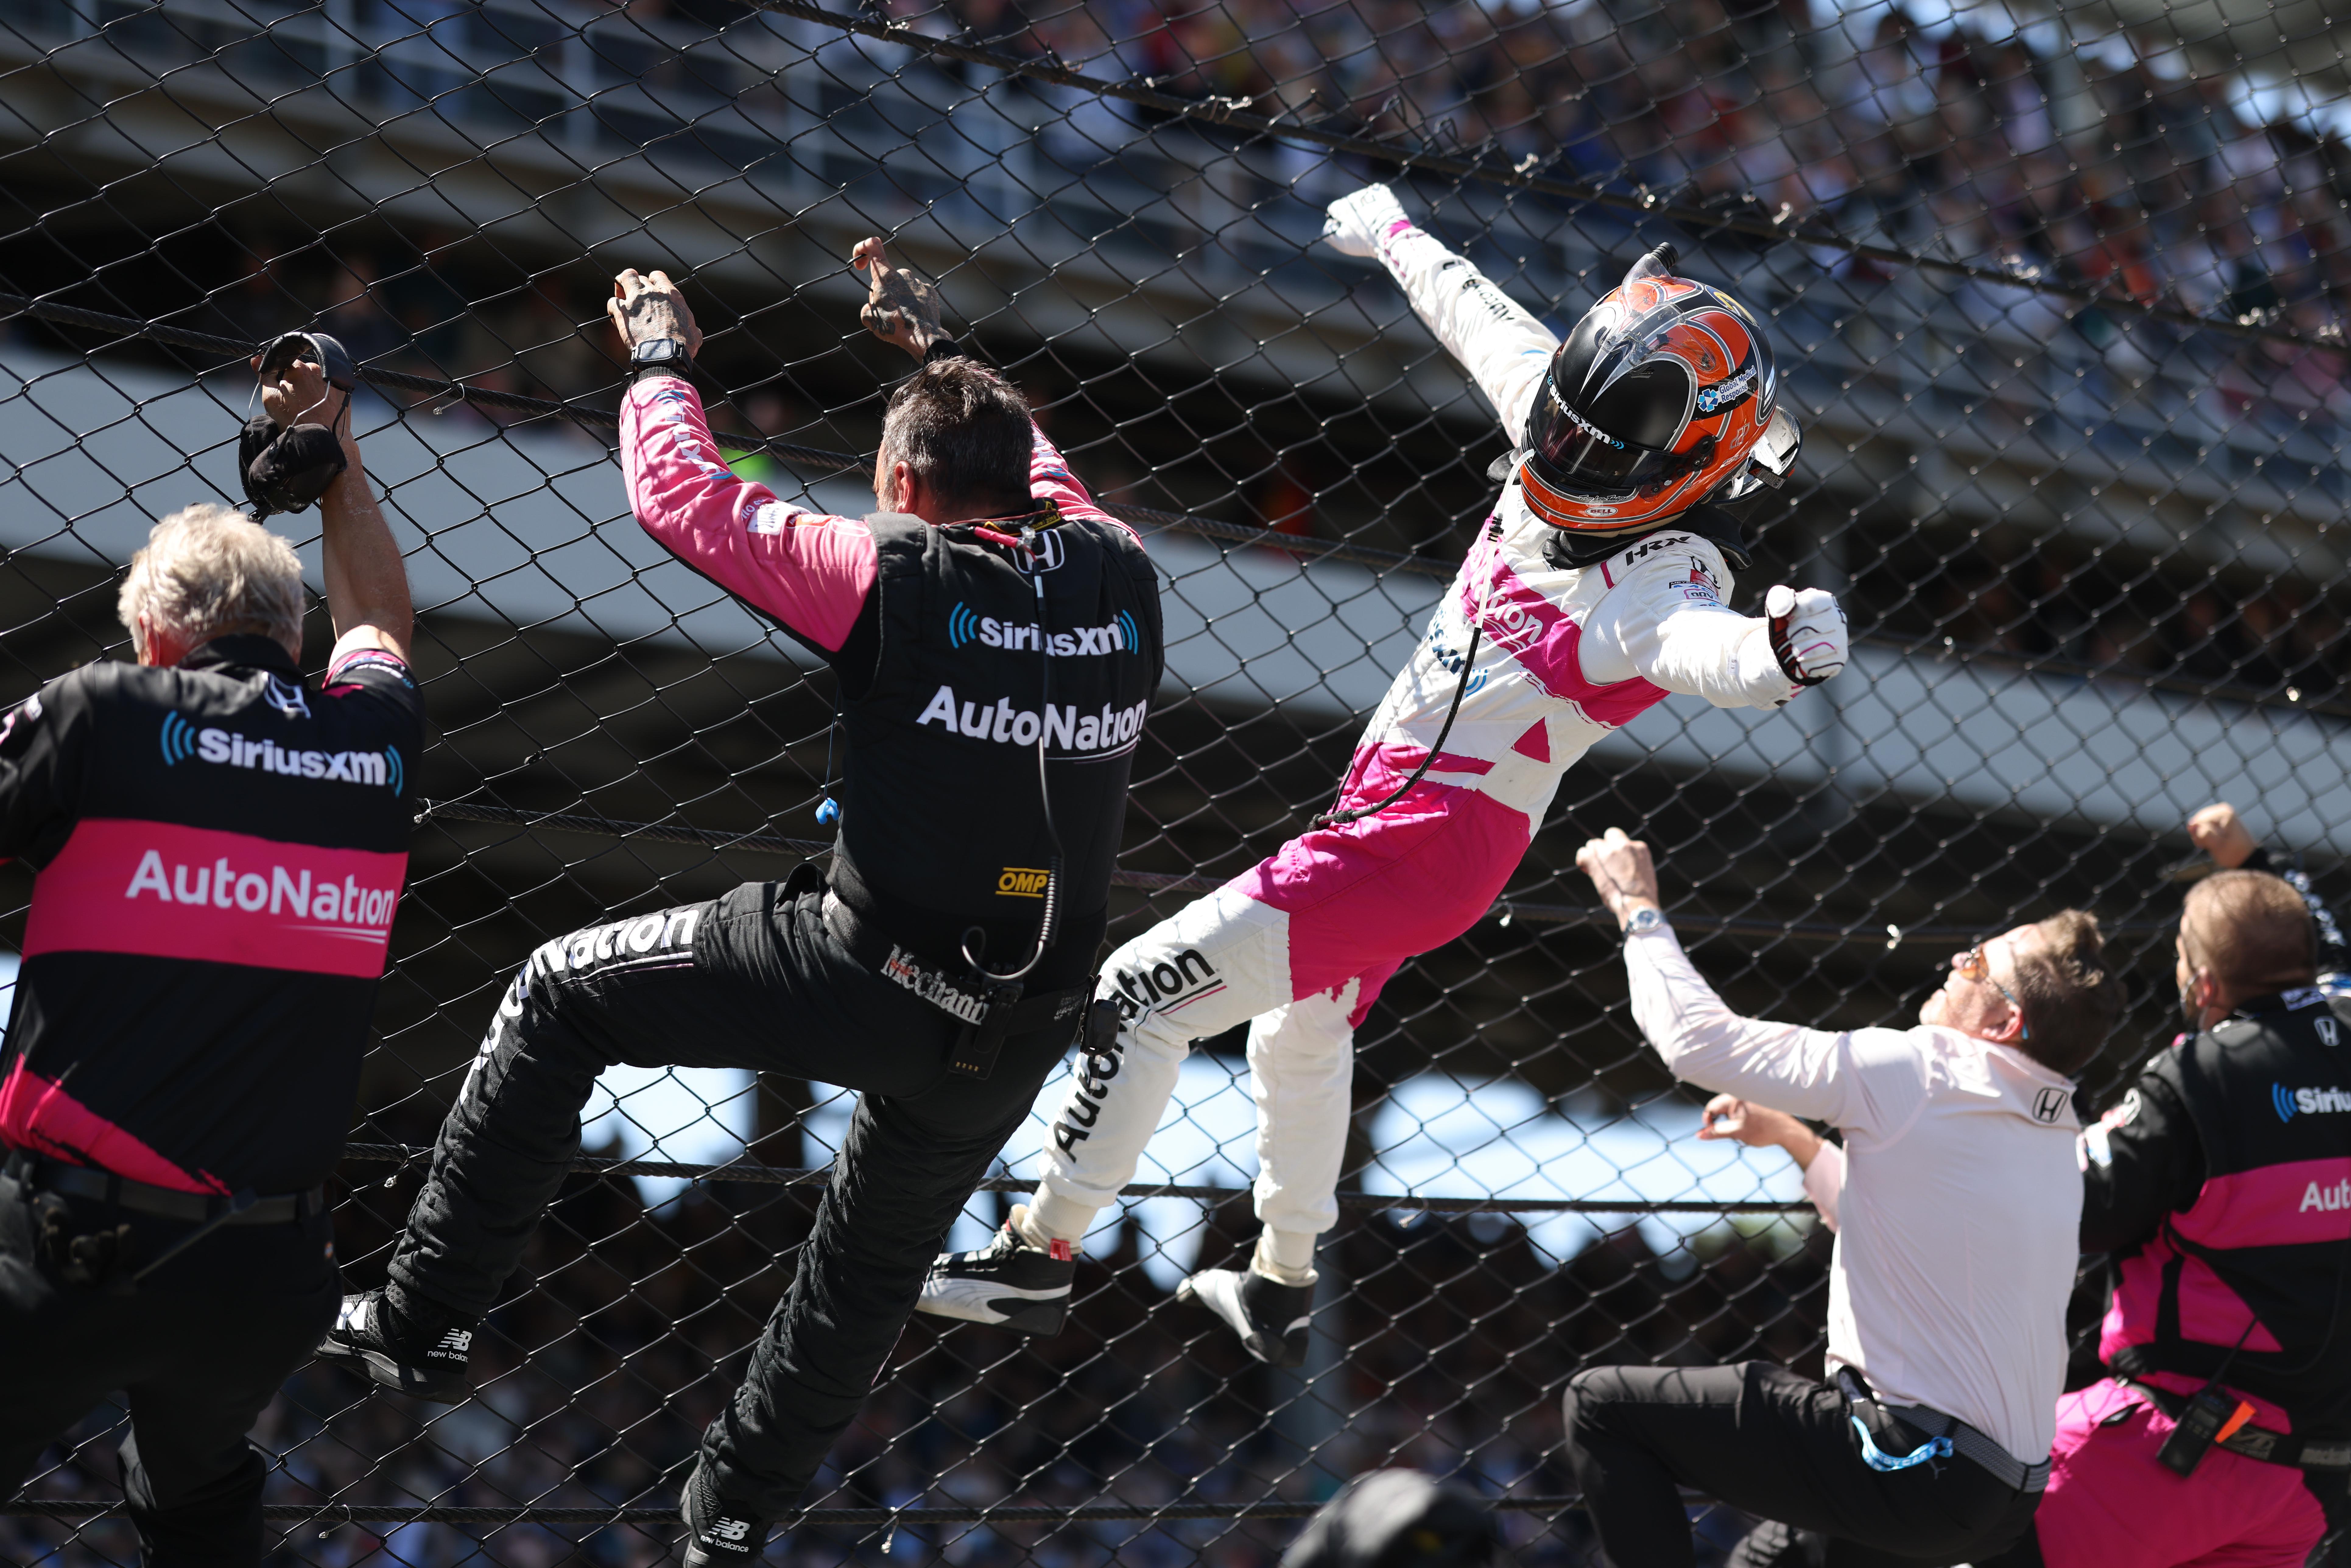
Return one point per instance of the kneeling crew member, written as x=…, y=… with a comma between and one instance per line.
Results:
x=218, y=851
x=1956, y=1203
x=994, y=675
x=2221, y=1186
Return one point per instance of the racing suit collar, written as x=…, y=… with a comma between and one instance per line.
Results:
x=249, y=650
x=2293, y=999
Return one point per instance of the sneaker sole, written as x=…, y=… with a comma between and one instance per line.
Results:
x=1040, y=1320
x=441, y=1387
x=1040, y=1312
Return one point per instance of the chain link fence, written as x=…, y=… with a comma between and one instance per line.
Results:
x=2059, y=297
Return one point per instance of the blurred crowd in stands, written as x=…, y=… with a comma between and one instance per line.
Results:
x=1450, y=1348
x=2122, y=174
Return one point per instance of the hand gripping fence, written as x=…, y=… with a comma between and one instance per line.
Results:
x=2058, y=302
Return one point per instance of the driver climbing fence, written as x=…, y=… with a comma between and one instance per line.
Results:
x=2060, y=303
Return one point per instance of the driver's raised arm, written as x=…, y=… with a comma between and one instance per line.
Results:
x=1505, y=350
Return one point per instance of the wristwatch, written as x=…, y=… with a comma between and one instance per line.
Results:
x=659, y=356
x=1647, y=918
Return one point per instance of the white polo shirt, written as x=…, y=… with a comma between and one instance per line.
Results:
x=1956, y=1200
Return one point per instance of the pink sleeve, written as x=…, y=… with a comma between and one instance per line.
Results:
x=1049, y=477
x=807, y=570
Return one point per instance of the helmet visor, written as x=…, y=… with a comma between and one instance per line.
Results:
x=1580, y=455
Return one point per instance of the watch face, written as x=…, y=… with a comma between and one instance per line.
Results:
x=654, y=349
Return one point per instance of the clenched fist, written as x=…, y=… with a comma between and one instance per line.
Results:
x=1809, y=636
x=1354, y=225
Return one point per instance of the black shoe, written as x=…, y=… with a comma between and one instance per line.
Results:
x=427, y=1368
x=718, y=1535
x=1270, y=1317
x=1008, y=1284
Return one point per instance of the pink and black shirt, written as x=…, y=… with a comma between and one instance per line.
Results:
x=219, y=852
x=2221, y=1187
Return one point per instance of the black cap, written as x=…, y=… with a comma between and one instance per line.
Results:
x=1397, y=1519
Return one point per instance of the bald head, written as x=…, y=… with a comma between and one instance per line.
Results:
x=2250, y=932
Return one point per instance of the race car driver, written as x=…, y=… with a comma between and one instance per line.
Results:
x=1600, y=584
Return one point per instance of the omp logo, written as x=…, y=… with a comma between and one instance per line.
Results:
x=2049, y=1105
x=1065, y=727
x=1022, y=882
x=2291, y=1102
x=182, y=741
x=1120, y=635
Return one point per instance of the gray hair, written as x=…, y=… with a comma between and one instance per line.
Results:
x=965, y=433
x=206, y=572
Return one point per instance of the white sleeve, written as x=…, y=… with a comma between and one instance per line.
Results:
x=1505, y=350
x=1825, y=1182
x=1866, y=1080
x=1664, y=620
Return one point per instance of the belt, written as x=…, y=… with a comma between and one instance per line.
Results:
x=31, y=1171
x=2261, y=1443
x=1966, y=1441
x=989, y=1012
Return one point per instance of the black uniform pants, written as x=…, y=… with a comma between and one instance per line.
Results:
x=1766, y=1441
x=199, y=1348
x=754, y=979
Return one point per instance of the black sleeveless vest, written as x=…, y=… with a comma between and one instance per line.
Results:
x=942, y=825
x=2270, y=1092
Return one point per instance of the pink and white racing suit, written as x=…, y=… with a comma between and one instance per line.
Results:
x=1299, y=946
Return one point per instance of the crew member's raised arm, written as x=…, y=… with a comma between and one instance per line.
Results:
x=366, y=580
x=1861, y=1079
x=1505, y=350
x=810, y=570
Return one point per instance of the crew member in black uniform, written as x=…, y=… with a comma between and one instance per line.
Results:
x=2219, y=1185
x=217, y=852
x=994, y=675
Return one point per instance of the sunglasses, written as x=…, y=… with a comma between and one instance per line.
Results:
x=1974, y=966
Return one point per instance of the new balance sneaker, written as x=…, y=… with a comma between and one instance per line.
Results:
x=429, y=1365
x=1008, y=1282
x=1270, y=1317
x=717, y=1534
